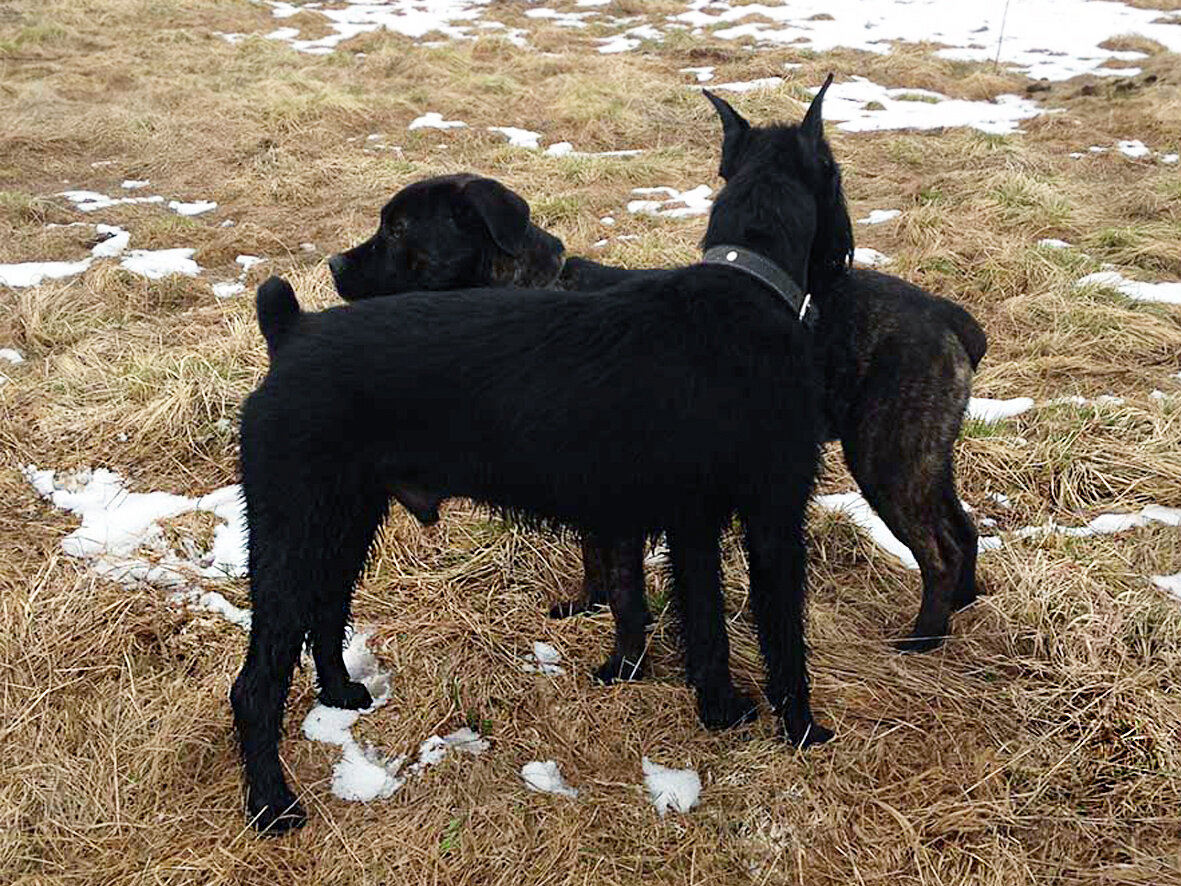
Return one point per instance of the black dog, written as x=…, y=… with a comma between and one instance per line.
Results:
x=450, y=232
x=665, y=406
x=897, y=363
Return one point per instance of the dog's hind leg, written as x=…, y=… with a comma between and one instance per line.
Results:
x=595, y=572
x=353, y=523
x=697, y=589
x=967, y=540
x=778, y=587
x=625, y=593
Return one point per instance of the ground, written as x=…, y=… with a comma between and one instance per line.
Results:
x=1040, y=744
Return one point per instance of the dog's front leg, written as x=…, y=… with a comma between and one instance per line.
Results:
x=595, y=571
x=697, y=588
x=625, y=593
x=778, y=584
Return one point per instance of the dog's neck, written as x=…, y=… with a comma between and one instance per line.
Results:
x=766, y=272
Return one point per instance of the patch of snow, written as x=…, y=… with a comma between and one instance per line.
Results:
x=1170, y=584
x=565, y=149
x=1134, y=148
x=628, y=40
x=543, y=660
x=544, y=777
x=856, y=508
x=11, y=355
x=196, y=208
x=1051, y=39
x=864, y=255
x=695, y=202
x=156, y=264
x=1000, y=498
x=248, y=261
x=1168, y=158
x=89, y=201
x=228, y=289
x=1107, y=524
x=131, y=184
x=992, y=411
x=675, y=789
x=860, y=105
x=703, y=74
x=607, y=220
x=24, y=274
x=1169, y=293
x=434, y=120
x=520, y=138
x=561, y=19
x=879, y=216
x=1052, y=243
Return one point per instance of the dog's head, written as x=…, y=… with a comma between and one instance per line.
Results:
x=782, y=183
x=449, y=232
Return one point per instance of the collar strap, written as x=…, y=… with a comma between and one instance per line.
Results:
x=769, y=274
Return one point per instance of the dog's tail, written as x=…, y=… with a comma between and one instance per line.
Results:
x=278, y=312
x=968, y=331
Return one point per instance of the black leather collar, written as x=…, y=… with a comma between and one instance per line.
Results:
x=768, y=273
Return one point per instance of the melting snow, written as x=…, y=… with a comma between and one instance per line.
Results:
x=675, y=789
x=864, y=255
x=32, y=273
x=1051, y=243
x=521, y=138
x=1054, y=39
x=992, y=411
x=158, y=263
x=544, y=777
x=1170, y=584
x=413, y=18
x=878, y=216
x=197, y=208
x=89, y=201
x=1133, y=148
x=629, y=39
x=131, y=184
x=12, y=356
x=434, y=120
x=863, y=106
x=696, y=202
x=565, y=149
x=1134, y=289
x=703, y=75
x=750, y=85
x=543, y=660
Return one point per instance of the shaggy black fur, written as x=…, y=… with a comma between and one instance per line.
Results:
x=897, y=364
x=449, y=232
x=669, y=405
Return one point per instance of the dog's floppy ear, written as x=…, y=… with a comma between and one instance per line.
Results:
x=734, y=130
x=813, y=123
x=504, y=213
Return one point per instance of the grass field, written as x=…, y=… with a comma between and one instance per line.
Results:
x=1040, y=744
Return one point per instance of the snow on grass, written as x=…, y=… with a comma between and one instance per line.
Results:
x=131, y=184
x=1053, y=243
x=703, y=74
x=1107, y=524
x=24, y=274
x=198, y=207
x=860, y=105
x=519, y=138
x=155, y=264
x=228, y=289
x=1170, y=584
x=675, y=789
x=1054, y=39
x=11, y=355
x=629, y=39
x=561, y=19
x=864, y=255
x=1169, y=293
x=749, y=85
x=1134, y=148
x=434, y=120
x=565, y=149
x=676, y=204
x=90, y=201
x=121, y=535
x=854, y=506
x=543, y=660
x=545, y=777
x=879, y=216
x=412, y=18
x=992, y=411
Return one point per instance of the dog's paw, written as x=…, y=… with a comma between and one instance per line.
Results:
x=812, y=734
x=352, y=696
x=569, y=608
x=726, y=710
x=277, y=817
x=918, y=644
x=619, y=669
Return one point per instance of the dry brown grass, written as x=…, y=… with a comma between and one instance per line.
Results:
x=1040, y=745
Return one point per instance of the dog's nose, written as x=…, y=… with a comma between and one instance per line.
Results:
x=336, y=265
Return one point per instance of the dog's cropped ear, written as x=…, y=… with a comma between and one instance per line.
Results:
x=504, y=213
x=734, y=130
x=813, y=123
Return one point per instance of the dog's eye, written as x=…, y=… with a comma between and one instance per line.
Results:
x=394, y=228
